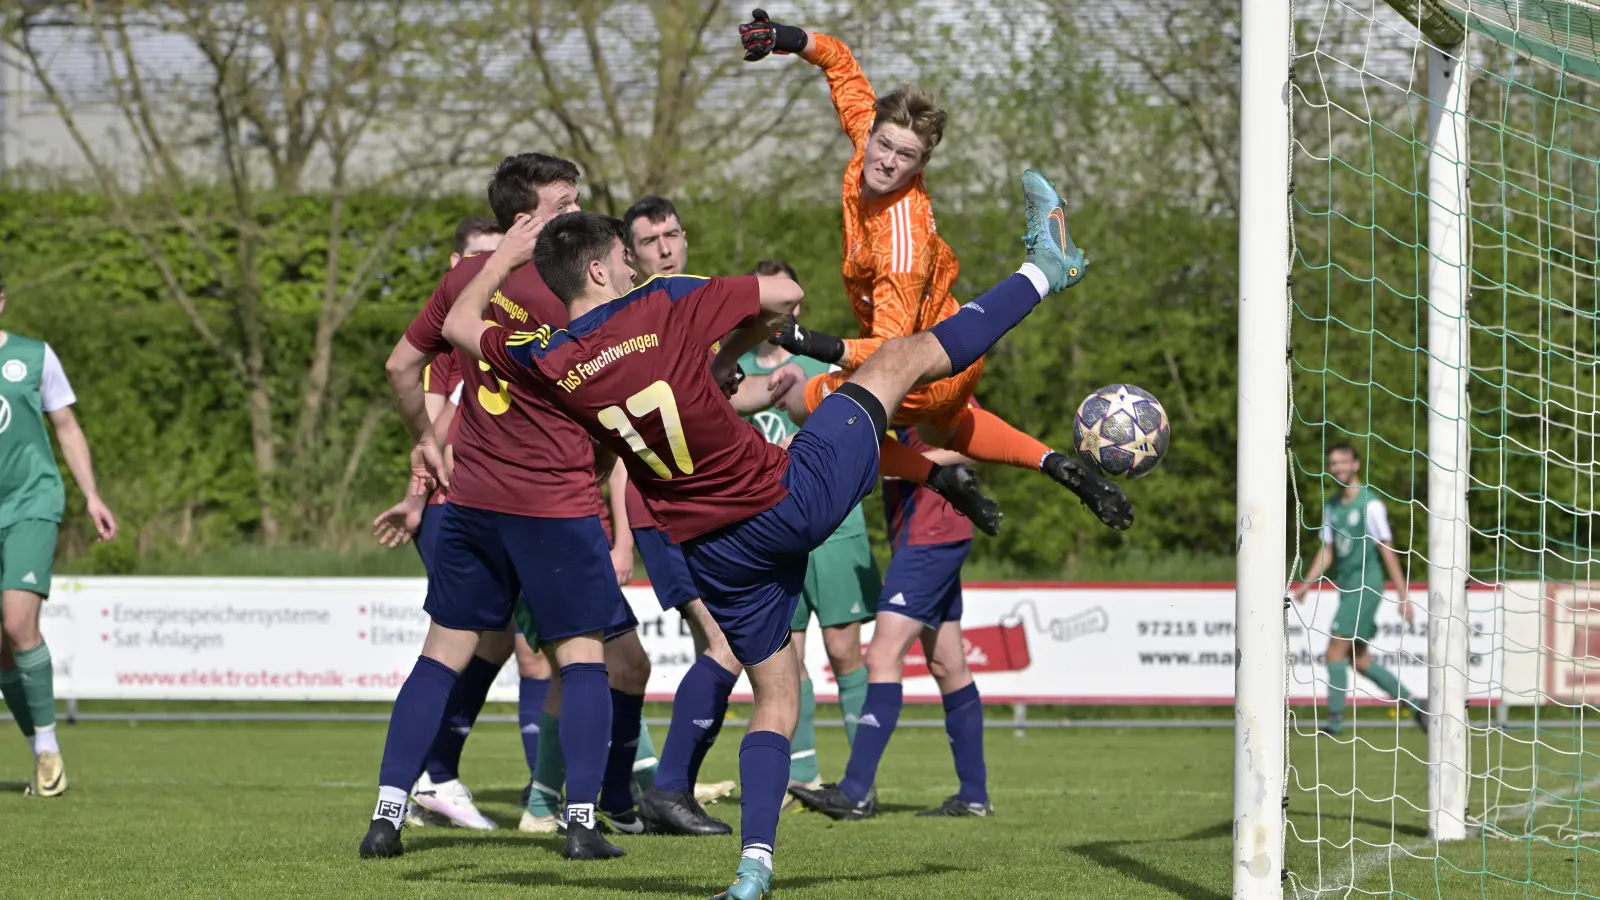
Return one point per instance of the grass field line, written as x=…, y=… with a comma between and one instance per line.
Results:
x=1372, y=860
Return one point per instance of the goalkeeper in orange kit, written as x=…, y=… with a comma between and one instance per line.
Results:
x=898, y=274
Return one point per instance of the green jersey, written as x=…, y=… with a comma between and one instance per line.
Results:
x=776, y=425
x=1354, y=528
x=32, y=383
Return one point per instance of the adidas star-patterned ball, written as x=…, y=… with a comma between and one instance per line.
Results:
x=1122, y=430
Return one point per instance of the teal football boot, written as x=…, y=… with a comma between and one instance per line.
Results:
x=1049, y=243
x=753, y=881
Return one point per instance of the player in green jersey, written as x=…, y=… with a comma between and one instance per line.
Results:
x=842, y=580
x=1357, y=552
x=33, y=387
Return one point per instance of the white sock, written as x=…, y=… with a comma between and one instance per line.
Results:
x=1036, y=275
x=391, y=805
x=760, y=853
x=44, y=740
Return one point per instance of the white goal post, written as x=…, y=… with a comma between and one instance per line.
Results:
x=1265, y=542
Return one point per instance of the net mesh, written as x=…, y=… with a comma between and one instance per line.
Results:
x=1358, y=805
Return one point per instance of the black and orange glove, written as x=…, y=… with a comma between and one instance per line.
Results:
x=762, y=36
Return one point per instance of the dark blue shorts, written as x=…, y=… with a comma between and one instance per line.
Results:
x=750, y=573
x=561, y=569
x=924, y=583
x=428, y=532
x=663, y=561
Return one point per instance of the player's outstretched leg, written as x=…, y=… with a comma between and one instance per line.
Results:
x=1051, y=250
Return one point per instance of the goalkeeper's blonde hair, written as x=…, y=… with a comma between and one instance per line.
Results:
x=910, y=107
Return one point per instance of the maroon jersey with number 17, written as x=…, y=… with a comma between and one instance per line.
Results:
x=514, y=452
x=635, y=374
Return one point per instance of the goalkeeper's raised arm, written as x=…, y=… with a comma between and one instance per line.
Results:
x=852, y=94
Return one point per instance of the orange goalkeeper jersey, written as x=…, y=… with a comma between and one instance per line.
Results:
x=897, y=270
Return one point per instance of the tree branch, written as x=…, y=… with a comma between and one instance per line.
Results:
x=107, y=181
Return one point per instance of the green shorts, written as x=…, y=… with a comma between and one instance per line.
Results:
x=842, y=585
x=1357, y=615
x=27, y=554
x=524, y=620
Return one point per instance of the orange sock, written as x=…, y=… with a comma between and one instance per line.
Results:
x=896, y=460
x=986, y=437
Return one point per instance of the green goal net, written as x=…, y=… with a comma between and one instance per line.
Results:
x=1445, y=324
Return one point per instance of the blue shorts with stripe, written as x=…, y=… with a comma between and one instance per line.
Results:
x=663, y=561
x=484, y=561
x=750, y=573
x=924, y=582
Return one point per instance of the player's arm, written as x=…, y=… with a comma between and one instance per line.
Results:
x=779, y=297
x=404, y=368
x=851, y=92
x=617, y=484
x=1379, y=531
x=1319, y=565
x=465, y=325
x=752, y=396
x=56, y=398
x=621, y=530
x=849, y=89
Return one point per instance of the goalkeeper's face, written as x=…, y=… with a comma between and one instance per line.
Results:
x=895, y=155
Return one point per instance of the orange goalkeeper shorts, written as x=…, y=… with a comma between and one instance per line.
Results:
x=940, y=404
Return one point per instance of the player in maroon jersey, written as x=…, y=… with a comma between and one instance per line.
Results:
x=521, y=525
x=921, y=600
x=440, y=795
x=630, y=367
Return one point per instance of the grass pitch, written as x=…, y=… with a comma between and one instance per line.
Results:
x=179, y=810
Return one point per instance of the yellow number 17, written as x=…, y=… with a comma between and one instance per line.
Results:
x=655, y=398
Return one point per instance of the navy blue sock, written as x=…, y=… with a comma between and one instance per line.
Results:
x=968, y=335
x=963, y=724
x=466, y=701
x=418, y=710
x=763, y=780
x=697, y=711
x=616, y=792
x=725, y=681
x=879, y=715
x=585, y=729
x=531, y=694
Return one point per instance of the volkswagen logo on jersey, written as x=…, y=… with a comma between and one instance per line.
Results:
x=5, y=414
x=771, y=425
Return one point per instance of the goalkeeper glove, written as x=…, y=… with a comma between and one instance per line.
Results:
x=802, y=341
x=763, y=36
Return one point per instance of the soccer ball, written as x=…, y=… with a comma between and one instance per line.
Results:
x=1121, y=430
